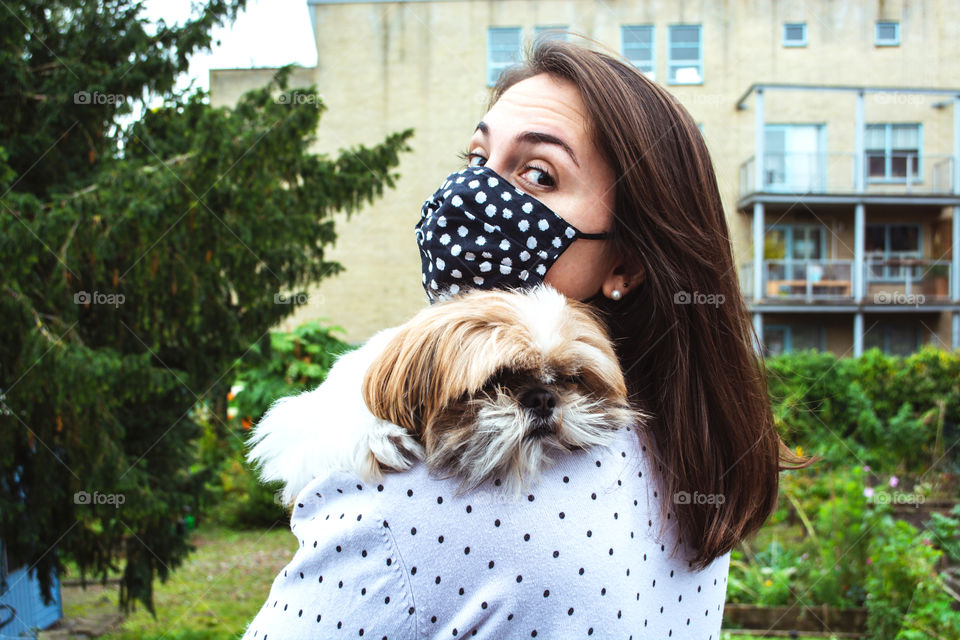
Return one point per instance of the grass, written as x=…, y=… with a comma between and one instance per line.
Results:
x=212, y=596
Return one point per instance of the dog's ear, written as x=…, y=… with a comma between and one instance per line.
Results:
x=445, y=351
x=395, y=384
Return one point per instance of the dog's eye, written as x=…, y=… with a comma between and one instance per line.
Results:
x=498, y=379
x=575, y=379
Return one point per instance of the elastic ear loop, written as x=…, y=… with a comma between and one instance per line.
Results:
x=593, y=236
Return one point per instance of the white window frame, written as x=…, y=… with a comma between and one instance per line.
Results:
x=685, y=63
x=819, y=184
x=637, y=62
x=895, y=273
x=802, y=42
x=888, y=177
x=887, y=42
x=494, y=69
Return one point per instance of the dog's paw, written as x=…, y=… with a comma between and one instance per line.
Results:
x=389, y=447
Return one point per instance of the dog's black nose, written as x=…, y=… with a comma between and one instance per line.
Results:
x=540, y=401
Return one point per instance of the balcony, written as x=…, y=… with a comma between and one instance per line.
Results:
x=901, y=280
x=835, y=173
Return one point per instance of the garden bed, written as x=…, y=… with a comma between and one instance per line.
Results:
x=787, y=620
x=920, y=513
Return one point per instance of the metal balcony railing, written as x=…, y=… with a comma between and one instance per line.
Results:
x=904, y=278
x=808, y=279
x=894, y=279
x=899, y=173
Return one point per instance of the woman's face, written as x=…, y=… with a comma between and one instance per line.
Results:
x=536, y=136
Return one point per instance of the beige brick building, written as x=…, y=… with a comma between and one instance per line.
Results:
x=851, y=106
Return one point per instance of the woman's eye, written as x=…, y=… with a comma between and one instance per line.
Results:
x=539, y=177
x=472, y=159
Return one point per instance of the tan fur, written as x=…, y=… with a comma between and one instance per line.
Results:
x=448, y=352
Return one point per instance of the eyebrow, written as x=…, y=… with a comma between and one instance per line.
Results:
x=536, y=137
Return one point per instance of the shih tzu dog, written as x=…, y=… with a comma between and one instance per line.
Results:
x=487, y=385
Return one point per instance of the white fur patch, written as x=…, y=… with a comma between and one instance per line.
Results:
x=328, y=429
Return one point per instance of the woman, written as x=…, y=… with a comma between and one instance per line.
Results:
x=633, y=541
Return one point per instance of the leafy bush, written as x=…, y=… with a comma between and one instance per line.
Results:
x=282, y=365
x=817, y=551
x=905, y=596
x=833, y=540
x=764, y=577
x=893, y=414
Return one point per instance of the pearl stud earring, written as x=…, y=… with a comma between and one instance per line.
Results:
x=615, y=294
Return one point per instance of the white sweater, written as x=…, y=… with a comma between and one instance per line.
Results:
x=579, y=554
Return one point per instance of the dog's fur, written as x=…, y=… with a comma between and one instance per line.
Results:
x=483, y=386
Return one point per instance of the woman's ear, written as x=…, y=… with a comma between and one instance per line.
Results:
x=621, y=279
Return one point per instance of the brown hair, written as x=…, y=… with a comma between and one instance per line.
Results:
x=692, y=366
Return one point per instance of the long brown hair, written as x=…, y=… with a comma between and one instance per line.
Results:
x=683, y=334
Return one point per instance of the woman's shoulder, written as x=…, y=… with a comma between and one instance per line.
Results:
x=584, y=545
x=587, y=478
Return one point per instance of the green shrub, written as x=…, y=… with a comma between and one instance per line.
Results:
x=284, y=365
x=893, y=414
x=765, y=577
x=833, y=541
x=905, y=598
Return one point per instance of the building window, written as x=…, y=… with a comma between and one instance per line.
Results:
x=794, y=158
x=636, y=42
x=558, y=32
x=890, y=249
x=685, y=63
x=893, y=338
x=793, y=252
x=893, y=153
x=887, y=34
x=782, y=338
x=795, y=34
x=504, y=45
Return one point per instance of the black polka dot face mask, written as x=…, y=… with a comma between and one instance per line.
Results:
x=480, y=232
